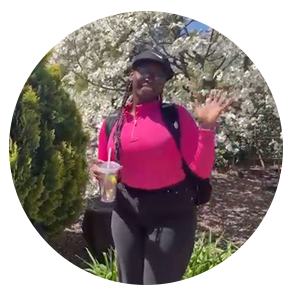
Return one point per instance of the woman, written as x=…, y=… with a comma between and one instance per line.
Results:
x=154, y=221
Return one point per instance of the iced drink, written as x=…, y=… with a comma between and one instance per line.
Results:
x=108, y=180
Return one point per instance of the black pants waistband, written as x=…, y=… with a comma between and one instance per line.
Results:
x=165, y=201
x=176, y=187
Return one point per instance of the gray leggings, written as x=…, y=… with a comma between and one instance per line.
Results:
x=154, y=234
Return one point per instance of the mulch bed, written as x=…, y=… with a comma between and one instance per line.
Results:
x=240, y=202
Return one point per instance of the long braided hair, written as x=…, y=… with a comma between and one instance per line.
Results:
x=120, y=121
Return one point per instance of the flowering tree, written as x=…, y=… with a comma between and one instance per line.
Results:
x=95, y=61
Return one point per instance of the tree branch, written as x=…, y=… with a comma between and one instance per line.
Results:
x=210, y=45
x=231, y=61
x=184, y=66
x=96, y=84
x=216, y=59
x=221, y=64
x=193, y=20
x=175, y=60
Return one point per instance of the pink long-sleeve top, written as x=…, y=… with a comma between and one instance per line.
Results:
x=148, y=152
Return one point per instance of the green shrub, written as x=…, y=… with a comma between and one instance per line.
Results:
x=211, y=265
x=47, y=149
x=107, y=270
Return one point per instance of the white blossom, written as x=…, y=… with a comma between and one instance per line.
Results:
x=94, y=59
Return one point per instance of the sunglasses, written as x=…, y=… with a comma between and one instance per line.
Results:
x=146, y=73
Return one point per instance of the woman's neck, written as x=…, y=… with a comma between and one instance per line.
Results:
x=138, y=101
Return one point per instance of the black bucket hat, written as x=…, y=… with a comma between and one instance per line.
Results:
x=155, y=56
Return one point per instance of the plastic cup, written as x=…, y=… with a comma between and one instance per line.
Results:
x=108, y=181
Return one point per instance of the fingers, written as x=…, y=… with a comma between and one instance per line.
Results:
x=98, y=161
x=211, y=97
x=93, y=169
x=209, y=100
x=96, y=173
x=228, y=103
x=97, y=177
x=222, y=98
x=215, y=96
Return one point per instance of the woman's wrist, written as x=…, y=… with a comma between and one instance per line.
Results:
x=208, y=127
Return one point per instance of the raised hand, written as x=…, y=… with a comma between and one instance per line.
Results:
x=215, y=104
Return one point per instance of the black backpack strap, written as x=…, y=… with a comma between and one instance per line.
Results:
x=171, y=119
x=110, y=122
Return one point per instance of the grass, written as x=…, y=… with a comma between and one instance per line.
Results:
x=209, y=265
